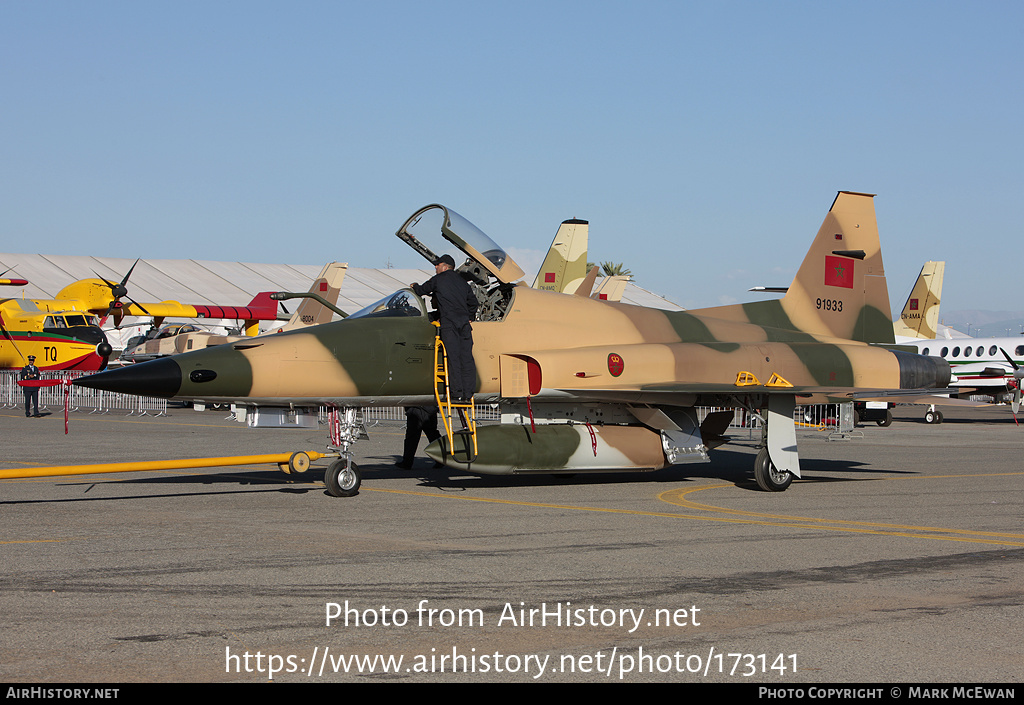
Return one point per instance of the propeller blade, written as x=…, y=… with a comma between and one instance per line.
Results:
x=139, y=305
x=130, y=270
x=1013, y=364
x=120, y=289
x=105, y=280
x=10, y=337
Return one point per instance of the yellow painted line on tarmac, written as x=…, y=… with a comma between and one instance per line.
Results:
x=679, y=498
x=543, y=505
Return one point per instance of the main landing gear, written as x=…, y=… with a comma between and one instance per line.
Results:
x=778, y=440
x=769, y=478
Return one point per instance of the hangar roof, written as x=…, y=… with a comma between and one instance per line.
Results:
x=206, y=282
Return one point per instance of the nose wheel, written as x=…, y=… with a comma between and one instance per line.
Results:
x=343, y=478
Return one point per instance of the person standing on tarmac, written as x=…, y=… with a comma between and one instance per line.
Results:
x=456, y=305
x=31, y=372
x=418, y=420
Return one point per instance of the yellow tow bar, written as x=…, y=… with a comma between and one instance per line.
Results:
x=289, y=462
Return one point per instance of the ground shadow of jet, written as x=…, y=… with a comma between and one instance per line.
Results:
x=731, y=466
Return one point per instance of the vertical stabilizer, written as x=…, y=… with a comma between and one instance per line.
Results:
x=840, y=288
x=611, y=288
x=566, y=262
x=920, y=315
x=328, y=285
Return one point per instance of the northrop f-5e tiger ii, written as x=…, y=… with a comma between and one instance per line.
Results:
x=584, y=385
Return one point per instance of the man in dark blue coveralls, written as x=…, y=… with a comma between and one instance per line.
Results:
x=456, y=306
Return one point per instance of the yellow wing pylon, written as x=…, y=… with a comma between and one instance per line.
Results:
x=746, y=379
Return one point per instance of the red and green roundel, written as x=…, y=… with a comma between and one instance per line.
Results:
x=615, y=364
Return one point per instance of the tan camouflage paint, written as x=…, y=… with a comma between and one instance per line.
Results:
x=920, y=315
x=566, y=262
x=814, y=341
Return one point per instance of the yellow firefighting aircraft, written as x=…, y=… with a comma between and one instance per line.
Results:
x=584, y=385
x=64, y=333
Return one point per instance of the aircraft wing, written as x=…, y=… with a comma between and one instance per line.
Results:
x=261, y=308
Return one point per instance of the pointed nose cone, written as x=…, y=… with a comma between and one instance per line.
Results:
x=158, y=378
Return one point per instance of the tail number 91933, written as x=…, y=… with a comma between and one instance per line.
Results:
x=830, y=305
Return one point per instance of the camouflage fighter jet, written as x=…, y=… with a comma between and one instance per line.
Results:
x=584, y=385
x=176, y=338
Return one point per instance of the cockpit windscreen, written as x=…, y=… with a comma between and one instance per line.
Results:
x=401, y=303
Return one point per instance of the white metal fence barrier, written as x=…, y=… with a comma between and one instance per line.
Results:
x=484, y=412
x=92, y=401
x=836, y=418
x=817, y=417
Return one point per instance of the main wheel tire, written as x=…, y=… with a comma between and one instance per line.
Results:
x=769, y=478
x=933, y=417
x=885, y=421
x=342, y=479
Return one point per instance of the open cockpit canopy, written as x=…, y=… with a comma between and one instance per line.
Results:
x=423, y=227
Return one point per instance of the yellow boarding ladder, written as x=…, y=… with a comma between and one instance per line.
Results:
x=444, y=403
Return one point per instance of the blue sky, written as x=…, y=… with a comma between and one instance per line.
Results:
x=704, y=141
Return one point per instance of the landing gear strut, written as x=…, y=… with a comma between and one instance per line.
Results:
x=347, y=426
x=778, y=441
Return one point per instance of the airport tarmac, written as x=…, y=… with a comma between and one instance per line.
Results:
x=899, y=558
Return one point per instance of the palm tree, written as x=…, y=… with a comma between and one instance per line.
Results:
x=613, y=269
